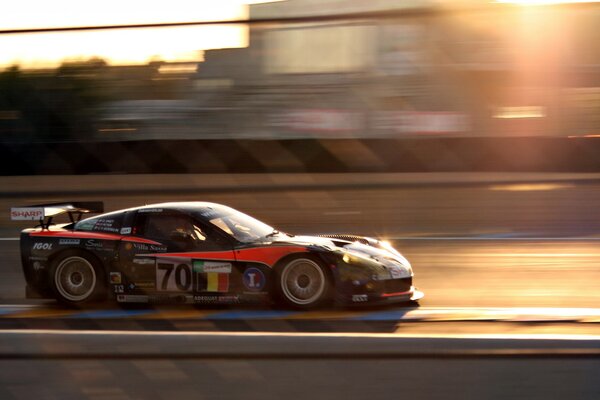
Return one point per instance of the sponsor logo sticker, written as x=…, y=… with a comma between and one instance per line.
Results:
x=125, y=298
x=69, y=242
x=93, y=243
x=360, y=298
x=145, y=285
x=147, y=247
x=212, y=266
x=37, y=266
x=254, y=279
x=216, y=299
x=26, y=213
x=42, y=246
x=144, y=261
x=115, y=278
x=125, y=231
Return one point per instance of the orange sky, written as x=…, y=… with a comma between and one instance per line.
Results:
x=117, y=46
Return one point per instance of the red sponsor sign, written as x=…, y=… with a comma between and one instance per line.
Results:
x=26, y=213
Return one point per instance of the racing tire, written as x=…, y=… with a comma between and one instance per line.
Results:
x=303, y=283
x=77, y=278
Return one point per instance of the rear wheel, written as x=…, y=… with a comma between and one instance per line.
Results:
x=303, y=283
x=77, y=278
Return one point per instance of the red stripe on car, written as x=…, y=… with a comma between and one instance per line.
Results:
x=397, y=294
x=92, y=235
x=264, y=255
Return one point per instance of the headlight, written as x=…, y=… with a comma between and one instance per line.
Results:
x=355, y=259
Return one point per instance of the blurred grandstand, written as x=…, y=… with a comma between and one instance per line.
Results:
x=403, y=69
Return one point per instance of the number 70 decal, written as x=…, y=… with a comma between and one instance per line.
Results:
x=173, y=277
x=178, y=276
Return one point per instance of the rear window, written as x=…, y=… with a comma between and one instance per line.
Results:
x=110, y=223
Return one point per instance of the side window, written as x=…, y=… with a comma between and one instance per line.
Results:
x=177, y=229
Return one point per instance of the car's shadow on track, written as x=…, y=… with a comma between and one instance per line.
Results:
x=214, y=318
x=224, y=308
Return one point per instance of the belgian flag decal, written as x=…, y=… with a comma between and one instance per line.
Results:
x=212, y=276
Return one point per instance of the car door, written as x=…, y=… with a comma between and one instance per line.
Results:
x=181, y=256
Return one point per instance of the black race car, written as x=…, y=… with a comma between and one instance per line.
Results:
x=204, y=253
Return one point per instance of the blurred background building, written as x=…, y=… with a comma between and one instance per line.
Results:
x=380, y=69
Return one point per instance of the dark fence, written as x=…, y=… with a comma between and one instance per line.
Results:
x=315, y=155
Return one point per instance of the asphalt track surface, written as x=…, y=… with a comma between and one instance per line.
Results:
x=514, y=256
x=128, y=365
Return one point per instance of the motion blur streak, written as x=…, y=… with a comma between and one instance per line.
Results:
x=530, y=187
x=48, y=333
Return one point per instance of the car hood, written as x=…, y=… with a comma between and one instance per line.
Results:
x=386, y=257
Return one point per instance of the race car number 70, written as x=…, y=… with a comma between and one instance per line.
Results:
x=174, y=277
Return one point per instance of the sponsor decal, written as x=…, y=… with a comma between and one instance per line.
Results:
x=144, y=261
x=359, y=298
x=119, y=288
x=115, y=277
x=37, y=266
x=216, y=299
x=125, y=231
x=145, y=285
x=212, y=276
x=212, y=266
x=93, y=243
x=38, y=258
x=165, y=298
x=105, y=225
x=254, y=279
x=150, y=210
x=128, y=298
x=69, y=242
x=42, y=246
x=128, y=246
x=26, y=213
x=149, y=247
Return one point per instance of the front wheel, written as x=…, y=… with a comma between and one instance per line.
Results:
x=303, y=283
x=77, y=279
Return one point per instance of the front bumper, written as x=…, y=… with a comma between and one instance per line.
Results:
x=382, y=296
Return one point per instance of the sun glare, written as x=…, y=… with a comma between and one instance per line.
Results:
x=117, y=47
x=543, y=2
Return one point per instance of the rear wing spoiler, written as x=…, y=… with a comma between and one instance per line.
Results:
x=46, y=212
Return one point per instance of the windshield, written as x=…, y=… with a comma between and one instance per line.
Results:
x=242, y=227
